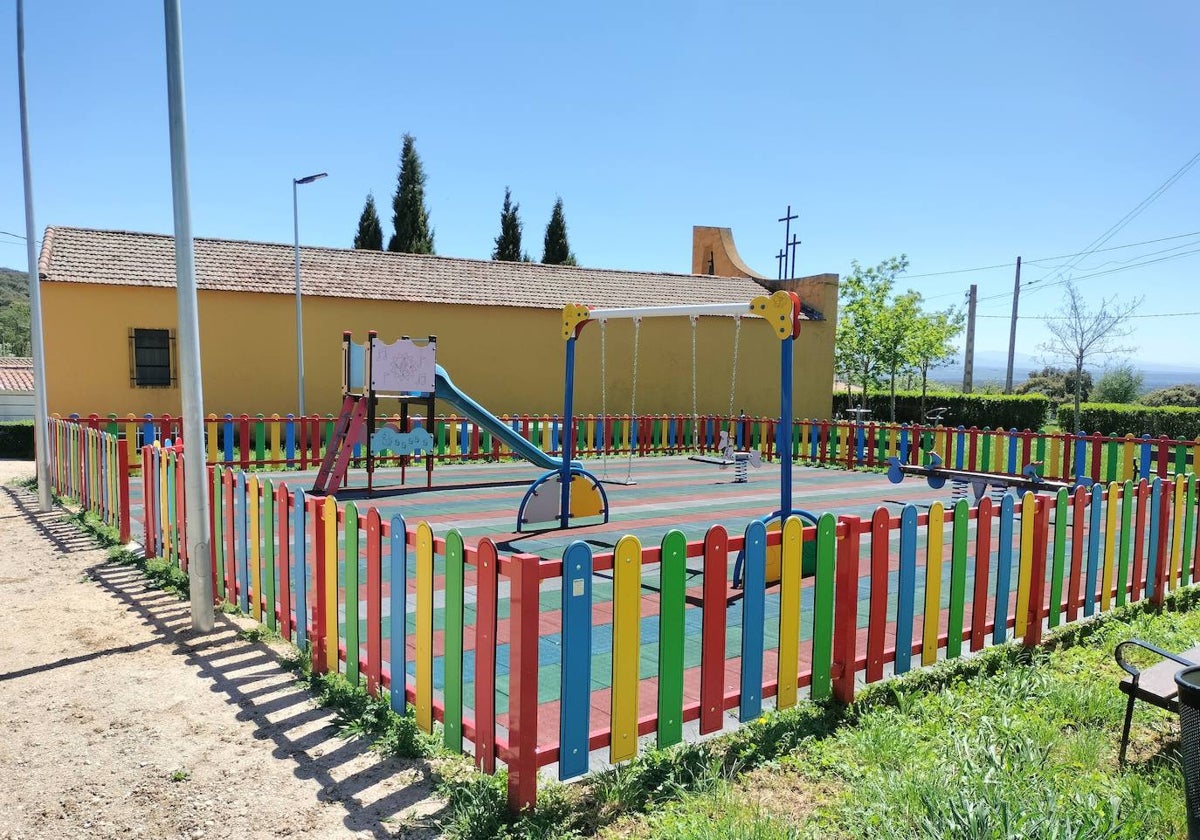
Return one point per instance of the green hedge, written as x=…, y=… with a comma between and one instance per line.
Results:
x=16, y=440
x=1121, y=419
x=995, y=411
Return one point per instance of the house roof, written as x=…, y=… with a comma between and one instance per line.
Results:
x=123, y=258
x=16, y=373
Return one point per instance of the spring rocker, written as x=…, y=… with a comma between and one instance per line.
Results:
x=979, y=483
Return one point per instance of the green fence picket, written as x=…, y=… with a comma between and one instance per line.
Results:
x=452, y=731
x=822, y=638
x=351, y=585
x=672, y=605
x=1189, y=528
x=1060, y=554
x=267, y=533
x=1128, y=499
x=958, y=579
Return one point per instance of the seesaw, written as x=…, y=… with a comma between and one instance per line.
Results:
x=980, y=482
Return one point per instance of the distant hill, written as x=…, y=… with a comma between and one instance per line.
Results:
x=13, y=286
x=14, y=313
x=990, y=366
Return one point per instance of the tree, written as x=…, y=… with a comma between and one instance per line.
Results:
x=1080, y=333
x=508, y=243
x=1119, y=384
x=410, y=217
x=932, y=344
x=896, y=326
x=370, y=232
x=863, y=294
x=1055, y=383
x=557, y=251
x=14, y=328
x=1187, y=396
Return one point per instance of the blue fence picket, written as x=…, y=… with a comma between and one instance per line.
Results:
x=753, y=603
x=576, y=678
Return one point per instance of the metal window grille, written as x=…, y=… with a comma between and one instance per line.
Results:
x=152, y=358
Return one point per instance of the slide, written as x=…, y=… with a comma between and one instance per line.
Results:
x=445, y=389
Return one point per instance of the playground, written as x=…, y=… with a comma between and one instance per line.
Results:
x=478, y=502
x=554, y=606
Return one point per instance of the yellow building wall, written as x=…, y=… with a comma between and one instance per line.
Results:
x=509, y=359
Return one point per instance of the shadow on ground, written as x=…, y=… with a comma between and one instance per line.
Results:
x=248, y=675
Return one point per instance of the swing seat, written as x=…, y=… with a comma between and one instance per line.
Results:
x=712, y=459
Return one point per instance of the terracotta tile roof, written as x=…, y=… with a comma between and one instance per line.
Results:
x=16, y=373
x=82, y=255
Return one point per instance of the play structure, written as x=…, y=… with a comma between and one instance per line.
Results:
x=552, y=500
x=567, y=495
x=979, y=483
x=406, y=371
x=403, y=370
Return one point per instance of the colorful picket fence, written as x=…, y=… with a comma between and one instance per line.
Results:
x=289, y=442
x=299, y=443
x=531, y=661
x=91, y=468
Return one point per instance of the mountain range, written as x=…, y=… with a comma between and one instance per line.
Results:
x=990, y=366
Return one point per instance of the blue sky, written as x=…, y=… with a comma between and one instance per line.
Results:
x=959, y=134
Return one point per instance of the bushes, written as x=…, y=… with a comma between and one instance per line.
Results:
x=1118, y=419
x=1187, y=396
x=16, y=440
x=1024, y=411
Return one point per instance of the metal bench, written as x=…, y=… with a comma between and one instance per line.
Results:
x=1154, y=685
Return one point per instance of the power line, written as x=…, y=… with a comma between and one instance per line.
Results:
x=1090, y=275
x=1056, y=317
x=1040, y=260
x=1122, y=222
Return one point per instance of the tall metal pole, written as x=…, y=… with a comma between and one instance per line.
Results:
x=196, y=490
x=299, y=306
x=568, y=438
x=40, y=414
x=969, y=351
x=1012, y=331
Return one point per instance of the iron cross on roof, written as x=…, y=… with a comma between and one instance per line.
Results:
x=790, y=241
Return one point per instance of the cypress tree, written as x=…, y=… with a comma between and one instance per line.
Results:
x=508, y=243
x=370, y=232
x=557, y=250
x=411, y=218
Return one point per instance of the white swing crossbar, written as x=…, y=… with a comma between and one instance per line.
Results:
x=673, y=311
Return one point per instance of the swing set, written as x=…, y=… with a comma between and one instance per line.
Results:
x=562, y=497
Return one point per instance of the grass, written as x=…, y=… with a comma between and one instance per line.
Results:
x=1012, y=743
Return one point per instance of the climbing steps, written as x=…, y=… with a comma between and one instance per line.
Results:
x=349, y=428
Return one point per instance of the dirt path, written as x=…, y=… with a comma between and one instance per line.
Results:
x=117, y=724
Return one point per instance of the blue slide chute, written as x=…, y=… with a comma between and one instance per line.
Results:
x=447, y=391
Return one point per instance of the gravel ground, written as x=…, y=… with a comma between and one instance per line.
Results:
x=121, y=723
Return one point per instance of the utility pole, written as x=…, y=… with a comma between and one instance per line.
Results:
x=196, y=476
x=36, y=346
x=969, y=352
x=1012, y=330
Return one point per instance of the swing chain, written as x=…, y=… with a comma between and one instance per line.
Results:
x=695, y=415
x=603, y=398
x=737, y=335
x=637, y=327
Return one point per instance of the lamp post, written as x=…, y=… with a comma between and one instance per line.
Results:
x=299, y=310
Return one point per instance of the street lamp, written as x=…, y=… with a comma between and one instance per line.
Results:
x=299, y=311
